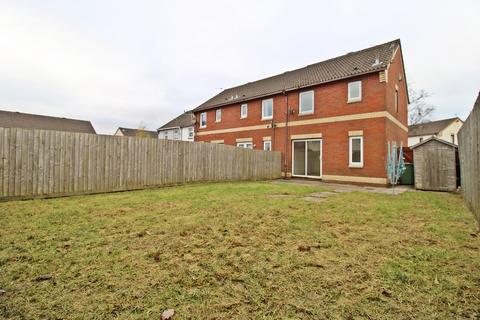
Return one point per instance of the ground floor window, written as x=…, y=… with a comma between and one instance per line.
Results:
x=246, y=145
x=307, y=158
x=356, y=152
x=267, y=145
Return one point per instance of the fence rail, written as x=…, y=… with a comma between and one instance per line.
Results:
x=42, y=163
x=469, y=154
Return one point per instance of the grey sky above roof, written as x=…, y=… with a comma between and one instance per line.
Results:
x=10, y=119
x=129, y=132
x=427, y=128
x=123, y=63
x=186, y=119
x=349, y=65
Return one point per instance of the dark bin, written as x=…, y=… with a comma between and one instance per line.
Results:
x=407, y=176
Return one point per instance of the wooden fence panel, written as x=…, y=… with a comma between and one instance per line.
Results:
x=40, y=163
x=469, y=154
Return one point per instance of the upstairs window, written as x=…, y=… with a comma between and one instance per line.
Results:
x=203, y=120
x=396, y=100
x=355, y=91
x=306, y=102
x=243, y=111
x=267, y=109
x=356, y=152
x=218, y=115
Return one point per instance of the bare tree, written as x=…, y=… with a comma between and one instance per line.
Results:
x=419, y=110
x=141, y=131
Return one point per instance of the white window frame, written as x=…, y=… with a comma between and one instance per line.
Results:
x=352, y=164
x=245, y=145
x=300, y=102
x=355, y=99
x=306, y=158
x=244, y=116
x=269, y=143
x=190, y=133
x=203, y=114
x=263, y=109
x=218, y=115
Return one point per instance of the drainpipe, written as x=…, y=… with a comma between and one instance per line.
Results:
x=285, y=166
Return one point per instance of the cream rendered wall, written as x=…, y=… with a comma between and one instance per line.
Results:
x=453, y=128
x=186, y=134
x=414, y=140
x=176, y=134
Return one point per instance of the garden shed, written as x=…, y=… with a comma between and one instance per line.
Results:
x=435, y=165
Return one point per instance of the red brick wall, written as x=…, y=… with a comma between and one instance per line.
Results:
x=330, y=100
x=394, y=71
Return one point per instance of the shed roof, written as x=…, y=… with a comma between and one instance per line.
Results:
x=433, y=139
x=365, y=61
x=9, y=119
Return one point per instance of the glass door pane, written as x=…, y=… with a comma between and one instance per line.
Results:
x=313, y=158
x=299, y=158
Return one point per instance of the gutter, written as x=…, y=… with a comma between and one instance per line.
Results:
x=170, y=128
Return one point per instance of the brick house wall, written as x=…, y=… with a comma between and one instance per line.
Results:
x=375, y=117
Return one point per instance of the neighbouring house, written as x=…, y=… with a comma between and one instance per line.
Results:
x=9, y=119
x=180, y=128
x=435, y=163
x=330, y=120
x=446, y=129
x=139, y=133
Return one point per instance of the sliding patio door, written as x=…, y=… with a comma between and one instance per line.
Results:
x=307, y=158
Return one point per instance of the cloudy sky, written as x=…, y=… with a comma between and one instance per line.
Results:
x=127, y=63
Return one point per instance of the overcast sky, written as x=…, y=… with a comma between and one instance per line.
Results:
x=127, y=63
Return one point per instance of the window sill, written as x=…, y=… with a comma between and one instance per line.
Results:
x=265, y=119
x=354, y=101
x=202, y=127
x=241, y=118
x=305, y=113
x=218, y=121
x=356, y=165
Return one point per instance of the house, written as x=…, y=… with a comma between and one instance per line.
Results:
x=446, y=129
x=180, y=128
x=139, y=133
x=435, y=163
x=9, y=119
x=341, y=113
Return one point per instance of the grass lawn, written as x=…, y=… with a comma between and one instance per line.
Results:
x=239, y=251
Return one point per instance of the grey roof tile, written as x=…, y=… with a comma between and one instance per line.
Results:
x=346, y=66
x=9, y=119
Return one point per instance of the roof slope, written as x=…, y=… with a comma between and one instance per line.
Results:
x=427, y=128
x=355, y=63
x=433, y=139
x=10, y=119
x=186, y=119
x=129, y=132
